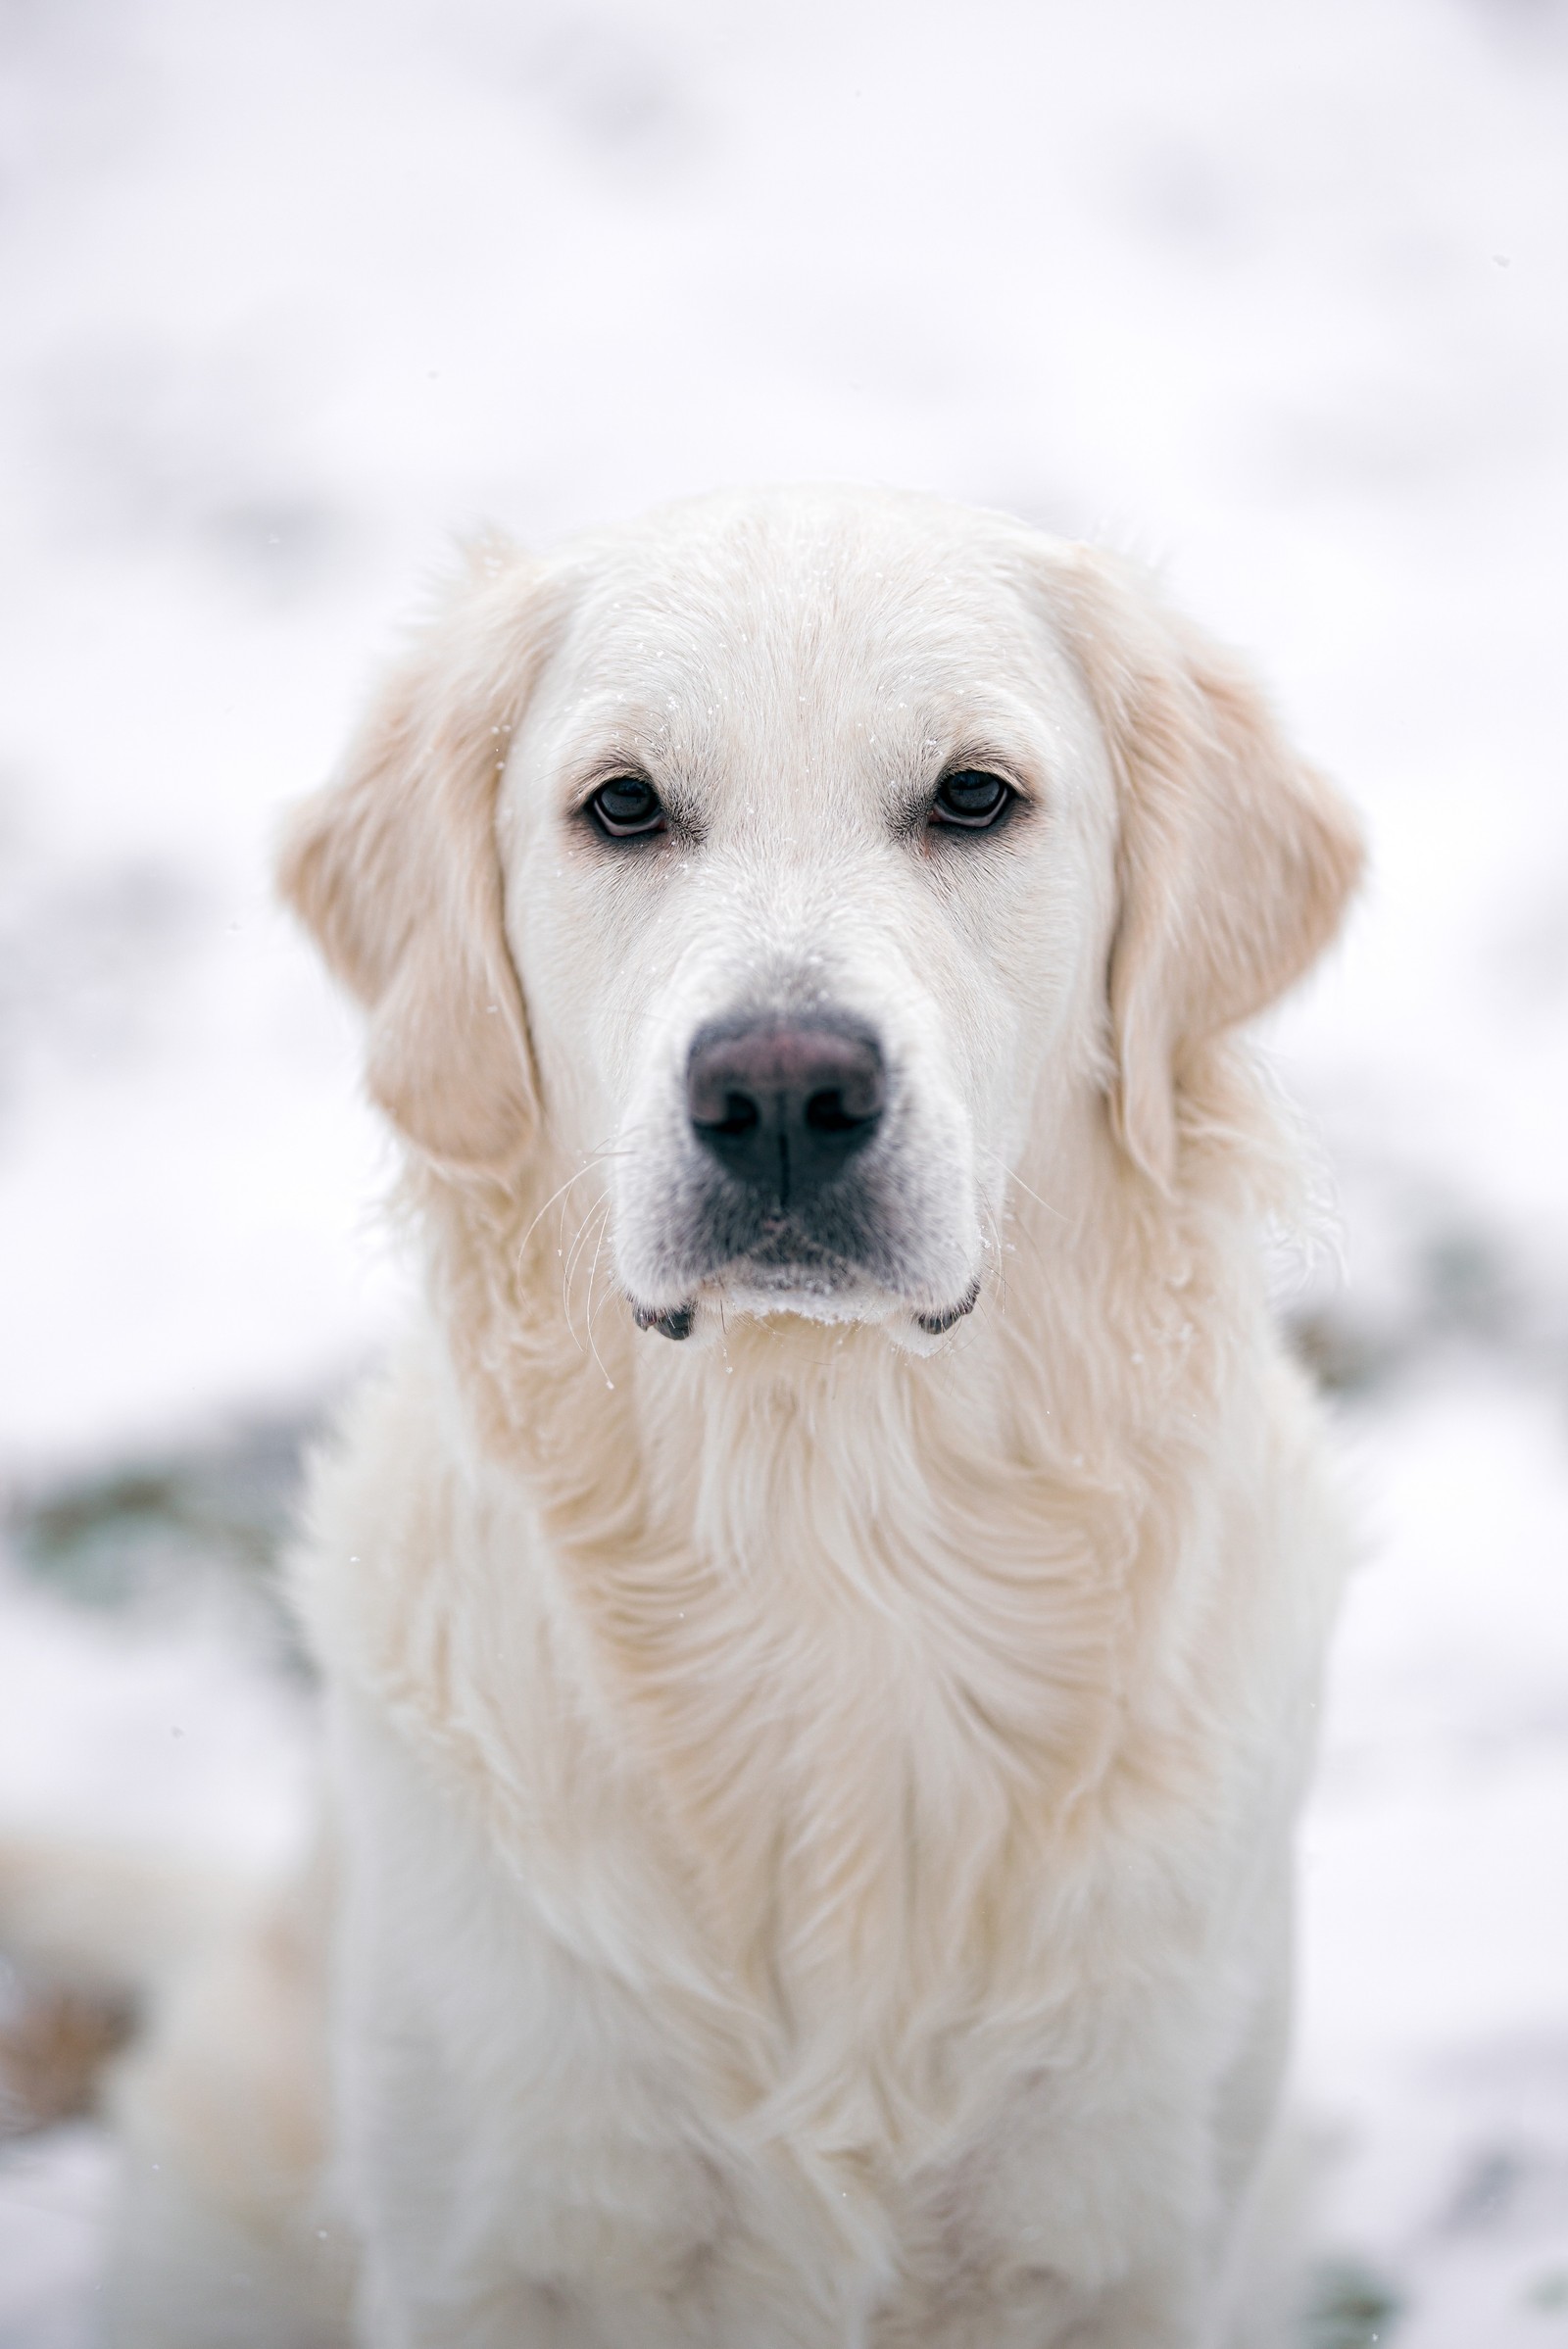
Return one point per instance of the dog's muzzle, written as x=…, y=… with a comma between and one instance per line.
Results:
x=785, y=1195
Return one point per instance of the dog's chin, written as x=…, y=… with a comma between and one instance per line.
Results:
x=721, y=1301
x=750, y=1292
x=762, y=1296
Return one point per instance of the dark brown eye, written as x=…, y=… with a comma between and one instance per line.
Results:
x=971, y=802
x=626, y=808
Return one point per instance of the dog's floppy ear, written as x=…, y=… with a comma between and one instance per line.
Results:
x=394, y=870
x=1235, y=859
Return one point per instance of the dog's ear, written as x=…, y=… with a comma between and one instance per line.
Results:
x=394, y=871
x=1235, y=860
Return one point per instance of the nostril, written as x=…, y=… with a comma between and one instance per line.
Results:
x=741, y=1114
x=828, y=1112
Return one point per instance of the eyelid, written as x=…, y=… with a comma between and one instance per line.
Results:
x=1026, y=796
x=984, y=763
x=612, y=770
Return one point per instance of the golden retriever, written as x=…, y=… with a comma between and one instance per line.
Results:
x=822, y=1623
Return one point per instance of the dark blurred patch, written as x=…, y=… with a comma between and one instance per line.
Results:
x=1515, y=2185
x=79, y=92
x=147, y=444
x=1343, y=1356
x=1471, y=1288
x=1348, y=2306
x=283, y=540
x=53, y=2046
x=1522, y=2066
x=1524, y=16
x=1406, y=429
x=83, y=957
x=1193, y=198
x=611, y=82
x=1446, y=1285
x=608, y=81
x=151, y=1532
x=1485, y=2192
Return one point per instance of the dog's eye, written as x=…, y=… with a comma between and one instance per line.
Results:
x=626, y=808
x=971, y=802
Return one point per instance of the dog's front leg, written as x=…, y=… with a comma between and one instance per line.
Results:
x=522, y=2134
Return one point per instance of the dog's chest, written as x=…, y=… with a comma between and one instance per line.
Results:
x=846, y=1785
x=858, y=1912
x=904, y=2128
x=844, y=1923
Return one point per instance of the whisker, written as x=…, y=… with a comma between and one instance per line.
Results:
x=1015, y=1177
x=1024, y=1237
x=593, y=1274
x=593, y=1159
x=574, y=1253
x=999, y=1253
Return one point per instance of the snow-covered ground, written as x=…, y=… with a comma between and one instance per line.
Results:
x=1276, y=294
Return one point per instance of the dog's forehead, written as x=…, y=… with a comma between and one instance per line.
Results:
x=764, y=621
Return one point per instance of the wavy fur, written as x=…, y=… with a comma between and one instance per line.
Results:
x=814, y=1806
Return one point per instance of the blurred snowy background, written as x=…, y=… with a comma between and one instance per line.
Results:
x=1277, y=295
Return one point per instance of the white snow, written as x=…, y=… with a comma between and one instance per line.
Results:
x=1277, y=295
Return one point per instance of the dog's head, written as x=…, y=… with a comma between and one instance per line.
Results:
x=807, y=858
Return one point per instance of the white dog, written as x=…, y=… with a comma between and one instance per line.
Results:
x=821, y=1625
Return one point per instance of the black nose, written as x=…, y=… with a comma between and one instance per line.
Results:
x=784, y=1104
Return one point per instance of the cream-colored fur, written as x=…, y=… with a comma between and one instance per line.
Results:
x=812, y=1804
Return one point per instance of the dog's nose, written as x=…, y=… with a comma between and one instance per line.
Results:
x=784, y=1104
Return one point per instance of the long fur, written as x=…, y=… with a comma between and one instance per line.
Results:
x=812, y=1808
